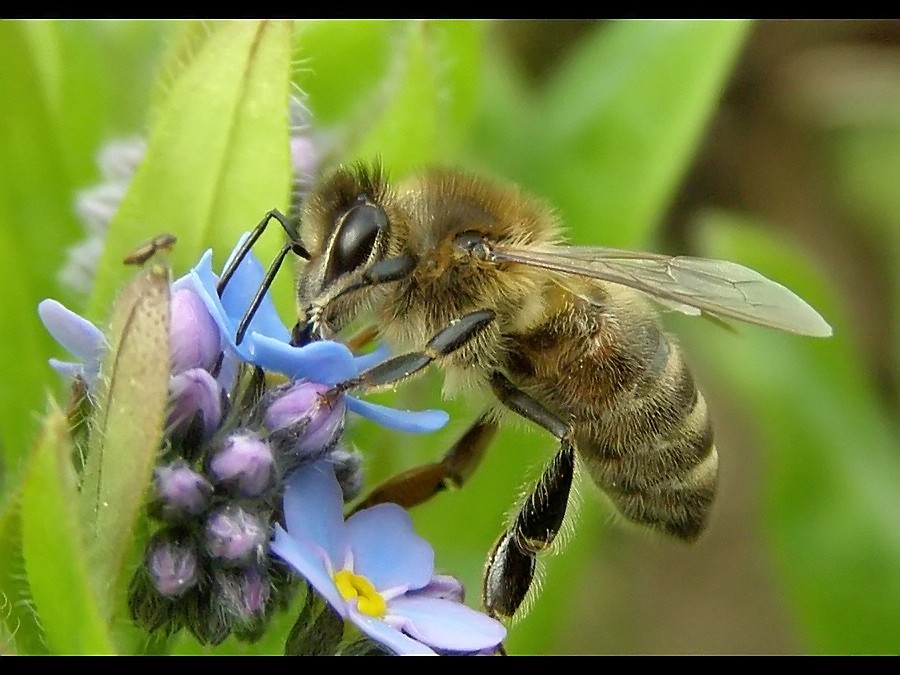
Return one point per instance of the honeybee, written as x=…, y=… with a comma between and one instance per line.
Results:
x=475, y=275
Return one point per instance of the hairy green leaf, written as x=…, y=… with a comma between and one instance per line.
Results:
x=60, y=575
x=217, y=157
x=127, y=424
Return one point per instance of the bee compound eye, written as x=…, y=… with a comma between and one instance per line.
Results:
x=355, y=240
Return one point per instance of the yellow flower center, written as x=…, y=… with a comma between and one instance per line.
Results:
x=369, y=601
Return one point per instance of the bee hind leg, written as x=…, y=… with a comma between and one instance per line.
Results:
x=421, y=483
x=511, y=565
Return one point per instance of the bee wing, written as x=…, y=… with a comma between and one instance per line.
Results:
x=717, y=287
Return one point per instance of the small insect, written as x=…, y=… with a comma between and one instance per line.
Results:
x=477, y=271
x=143, y=253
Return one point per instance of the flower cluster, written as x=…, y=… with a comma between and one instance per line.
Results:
x=247, y=424
x=253, y=439
x=230, y=440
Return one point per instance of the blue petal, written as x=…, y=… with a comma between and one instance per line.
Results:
x=326, y=361
x=446, y=625
x=204, y=282
x=384, y=634
x=442, y=586
x=307, y=559
x=366, y=361
x=79, y=336
x=241, y=289
x=313, y=510
x=413, y=421
x=387, y=551
x=67, y=369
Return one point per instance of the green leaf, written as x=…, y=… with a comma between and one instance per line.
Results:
x=401, y=91
x=59, y=573
x=35, y=219
x=831, y=462
x=341, y=63
x=427, y=99
x=217, y=157
x=625, y=116
x=20, y=630
x=127, y=425
x=617, y=127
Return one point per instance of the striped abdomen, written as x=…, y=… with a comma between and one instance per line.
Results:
x=640, y=425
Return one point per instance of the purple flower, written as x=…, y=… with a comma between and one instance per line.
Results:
x=267, y=344
x=375, y=571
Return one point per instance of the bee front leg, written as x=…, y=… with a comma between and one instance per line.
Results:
x=511, y=565
x=293, y=245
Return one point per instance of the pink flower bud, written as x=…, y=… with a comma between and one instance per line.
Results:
x=194, y=393
x=172, y=565
x=234, y=535
x=194, y=336
x=181, y=492
x=244, y=466
x=302, y=422
x=242, y=593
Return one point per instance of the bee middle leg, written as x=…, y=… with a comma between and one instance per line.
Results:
x=400, y=367
x=511, y=565
x=421, y=483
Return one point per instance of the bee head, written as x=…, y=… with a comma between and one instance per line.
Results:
x=346, y=227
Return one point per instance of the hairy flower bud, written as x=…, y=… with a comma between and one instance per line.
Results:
x=348, y=471
x=194, y=395
x=235, y=535
x=194, y=337
x=303, y=424
x=244, y=465
x=242, y=593
x=173, y=565
x=181, y=492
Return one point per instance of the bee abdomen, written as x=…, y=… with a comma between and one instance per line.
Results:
x=652, y=450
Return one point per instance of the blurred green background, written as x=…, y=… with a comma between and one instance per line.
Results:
x=775, y=144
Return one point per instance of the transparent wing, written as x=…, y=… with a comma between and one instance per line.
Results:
x=717, y=287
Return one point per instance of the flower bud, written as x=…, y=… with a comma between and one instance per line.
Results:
x=181, y=492
x=173, y=565
x=244, y=466
x=194, y=337
x=194, y=398
x=242, y=593
x=303, y=424
x=348, y=471
x=234, y=535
